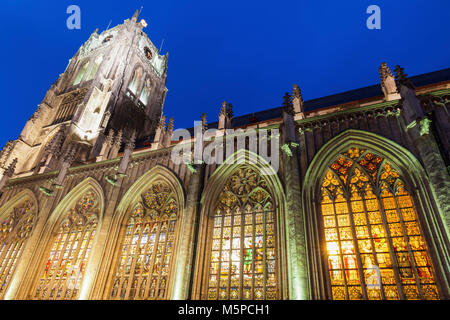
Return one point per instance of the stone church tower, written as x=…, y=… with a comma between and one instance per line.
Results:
x=343, y=197
x=115, y=84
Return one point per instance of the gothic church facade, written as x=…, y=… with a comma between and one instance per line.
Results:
x=93, y=206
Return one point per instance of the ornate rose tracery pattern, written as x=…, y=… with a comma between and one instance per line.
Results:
x=14, y=231
x=243, y=261
x=145, y=258
x=373, y=239
x=69, y=252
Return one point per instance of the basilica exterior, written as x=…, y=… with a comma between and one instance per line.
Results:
x=94, y=205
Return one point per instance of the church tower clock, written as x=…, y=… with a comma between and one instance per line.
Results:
x=111, y=92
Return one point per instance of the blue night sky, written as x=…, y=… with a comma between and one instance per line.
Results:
x=245, y=52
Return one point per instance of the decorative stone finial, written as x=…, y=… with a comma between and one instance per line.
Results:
x=387, y=82
x=230, y=111
x=296, y=92
x=56, y=143
x=402, y=77
x=162, y=122
x=297, y=99
x=110, y=137
x=170, y=125
x=118, y=140
x=131, y=141
x=9, y=171
x=6, y=151
x=223, y=109
x=204, y=123
x=287, y=104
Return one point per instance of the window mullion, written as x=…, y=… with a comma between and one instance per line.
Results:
x=8, y=269
x=152, y=257
x=372, y=242
x=355, y=243
x=145, y=252
x=123, y=275
x=241, y=252
x=75, y=257
x=391, y=249
x=253, y=252
x=410, y=252
x=264, y=250
x=163, y=253
x=57, y=265
x=341, y=256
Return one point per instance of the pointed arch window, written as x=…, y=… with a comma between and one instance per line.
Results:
x=69, y=251
x=96, y=64
x=146, y=254
x=81, y=73
x=136, y=81
x=243, y=254
x=145, y=93
x=373, y=240
x=14, y=231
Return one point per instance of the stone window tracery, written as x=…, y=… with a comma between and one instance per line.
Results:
x=373, y=240
x=14, y=231
x=243, y=254
x=146, y=253
x=69, y=251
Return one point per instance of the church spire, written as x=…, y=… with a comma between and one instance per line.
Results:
x=135, y=16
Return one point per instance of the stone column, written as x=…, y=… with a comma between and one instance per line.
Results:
x=159, y=133
x=106, y=146
x=168, y=134
x=69, y=157
x=295, y=233
x=8, y=173
x=298, y=103
x=418, y=128
x=116, y=147
x=222, y=116
x=294, y=219
x=185, y=258
x=129, y=147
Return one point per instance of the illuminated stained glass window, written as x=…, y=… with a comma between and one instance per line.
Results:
x=145, y=256
x=373, y=239
x=14, y=230
x=69, y=252
x=243, y=263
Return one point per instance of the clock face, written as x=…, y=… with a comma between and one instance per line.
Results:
x=148, y=53
x=108, y=38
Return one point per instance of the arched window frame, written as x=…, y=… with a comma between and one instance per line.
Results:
x=261, y=216
x=22, y=226
x=94, y=66
x=415, y=179
x=286, y=278
x=134, y=86
x=144, y=96
x=360, y=187
x=123, y=286
x=81, y=72
x=120, y=219
x=49, y=233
